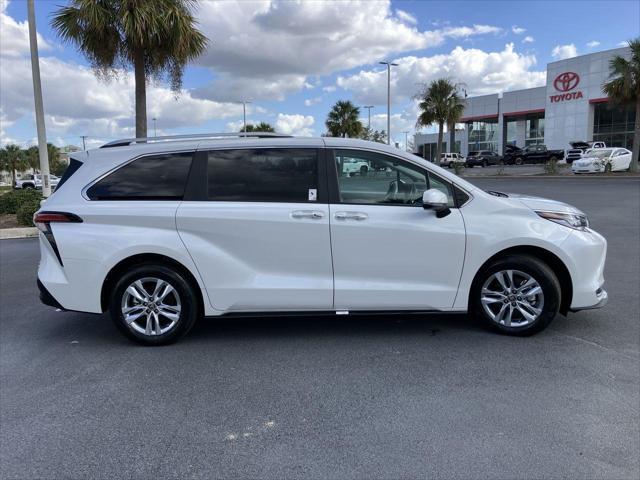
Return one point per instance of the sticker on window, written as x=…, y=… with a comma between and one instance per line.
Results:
x=313, y=194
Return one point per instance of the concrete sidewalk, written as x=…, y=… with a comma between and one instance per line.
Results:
x=22, y=232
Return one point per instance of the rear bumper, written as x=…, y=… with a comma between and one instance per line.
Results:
x=47, y=298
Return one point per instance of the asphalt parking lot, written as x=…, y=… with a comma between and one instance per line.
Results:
x=361, y=397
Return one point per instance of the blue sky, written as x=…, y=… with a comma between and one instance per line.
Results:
x=294, y=60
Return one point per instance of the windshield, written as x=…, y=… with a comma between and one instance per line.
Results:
x=473, y=154
x=599, y=153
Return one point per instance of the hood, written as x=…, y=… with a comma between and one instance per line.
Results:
x=542, y=204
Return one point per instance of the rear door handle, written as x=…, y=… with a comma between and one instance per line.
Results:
x=351, y=216
x=312, y=214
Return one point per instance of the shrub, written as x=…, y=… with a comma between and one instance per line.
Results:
x=551, y=167
x=11, y=201
x=25, y=212
x=458, y=167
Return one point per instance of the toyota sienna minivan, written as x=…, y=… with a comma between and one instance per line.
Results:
x=161, y=232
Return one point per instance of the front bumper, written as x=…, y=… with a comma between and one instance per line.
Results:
x=603, y=296
x=590, y=168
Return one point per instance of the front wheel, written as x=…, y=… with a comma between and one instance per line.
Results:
x=153, y=305
x=450, y=164
x=516, y=295
x=519, y=161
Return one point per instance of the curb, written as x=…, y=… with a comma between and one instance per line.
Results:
x=24, y=232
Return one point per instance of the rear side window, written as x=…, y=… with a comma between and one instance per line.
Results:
x=156, y=177
x=263, y=175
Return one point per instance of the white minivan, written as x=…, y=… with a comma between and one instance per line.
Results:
x=160, y=232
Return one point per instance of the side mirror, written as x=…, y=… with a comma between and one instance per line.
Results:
x=436, y=200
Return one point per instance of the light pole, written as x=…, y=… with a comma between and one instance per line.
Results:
x=406, y=139
x=37, y=95
x=389, y=65
x=84, y=145
x=369, y=107
x=155, y=133
x=244, y=115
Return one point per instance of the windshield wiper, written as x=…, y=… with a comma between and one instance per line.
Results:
x=496, y=194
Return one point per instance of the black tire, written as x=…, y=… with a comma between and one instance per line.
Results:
x=363, y=171
x=28, y=186
x=519, y=161
x=450, y=164
x=189, y=300
x=485, y=163
x=607, y=168
x=532, y=266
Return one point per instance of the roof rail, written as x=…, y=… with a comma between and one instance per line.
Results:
x=130, y=141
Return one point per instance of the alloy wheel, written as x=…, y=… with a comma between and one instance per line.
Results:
x=151, y=306
x=512, y=298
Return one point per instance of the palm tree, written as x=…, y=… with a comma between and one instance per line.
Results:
x=624, y=89
x=440, y=103
x=260, y=127
x=342, y=120
x=158, y=38
x=12, y=158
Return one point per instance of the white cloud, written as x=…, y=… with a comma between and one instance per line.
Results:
x=329, y=88
x=14, y=36
x=560, y=52
x=267, y=49
x=77, y=103
x=518, y=30
x=528, y=39
x=312, y=101
x=294, y=124
x=481, y=72
x=623, y=43
x=406, y=17
x=593, y=43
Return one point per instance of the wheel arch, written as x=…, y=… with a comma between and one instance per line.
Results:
x=146, y=258
x=551, y=259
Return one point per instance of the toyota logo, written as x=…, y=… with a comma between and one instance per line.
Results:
x=566, y=81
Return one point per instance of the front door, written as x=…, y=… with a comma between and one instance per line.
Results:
x=389, y=252
x=260, y=237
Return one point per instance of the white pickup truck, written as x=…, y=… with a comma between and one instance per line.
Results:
x=578, y=149
x=35, y=181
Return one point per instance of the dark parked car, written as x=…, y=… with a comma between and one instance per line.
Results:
x=482, y=158
x=511, y=152
x=535, y=154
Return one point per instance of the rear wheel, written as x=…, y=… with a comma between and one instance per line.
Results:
x=363, y=171
x=516, y=295
x=153, y=305
x=450, y=164
x=485, y=163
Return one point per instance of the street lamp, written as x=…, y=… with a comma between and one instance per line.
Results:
x=244, y=114
x=155, y=133
x=389, y=65
x=406, y=140
x=369, y=107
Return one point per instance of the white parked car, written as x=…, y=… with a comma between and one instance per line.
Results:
x=450, y=159
x=164, y=232
x=35, y=181
x=603, y=160
x=353, y=166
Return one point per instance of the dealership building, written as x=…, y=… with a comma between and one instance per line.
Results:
x=571, y=107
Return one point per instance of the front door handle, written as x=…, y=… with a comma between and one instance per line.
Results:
x=351, y=216
x=312, y=214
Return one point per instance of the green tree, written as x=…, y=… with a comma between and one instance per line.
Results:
x=372, y=135
x=440, y=103
x=342, y=120
x=12, y=158
x=157, y=37
x=32, y=158
x=260, y=127
x=623, y=88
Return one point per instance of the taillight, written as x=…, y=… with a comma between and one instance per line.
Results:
x=43, y=221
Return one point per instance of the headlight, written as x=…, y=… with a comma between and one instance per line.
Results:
x=576, y=221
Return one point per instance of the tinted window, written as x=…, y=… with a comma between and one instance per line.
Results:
x=263, y=175
x=157, y=177
x=72, y=168
x=380, y=179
